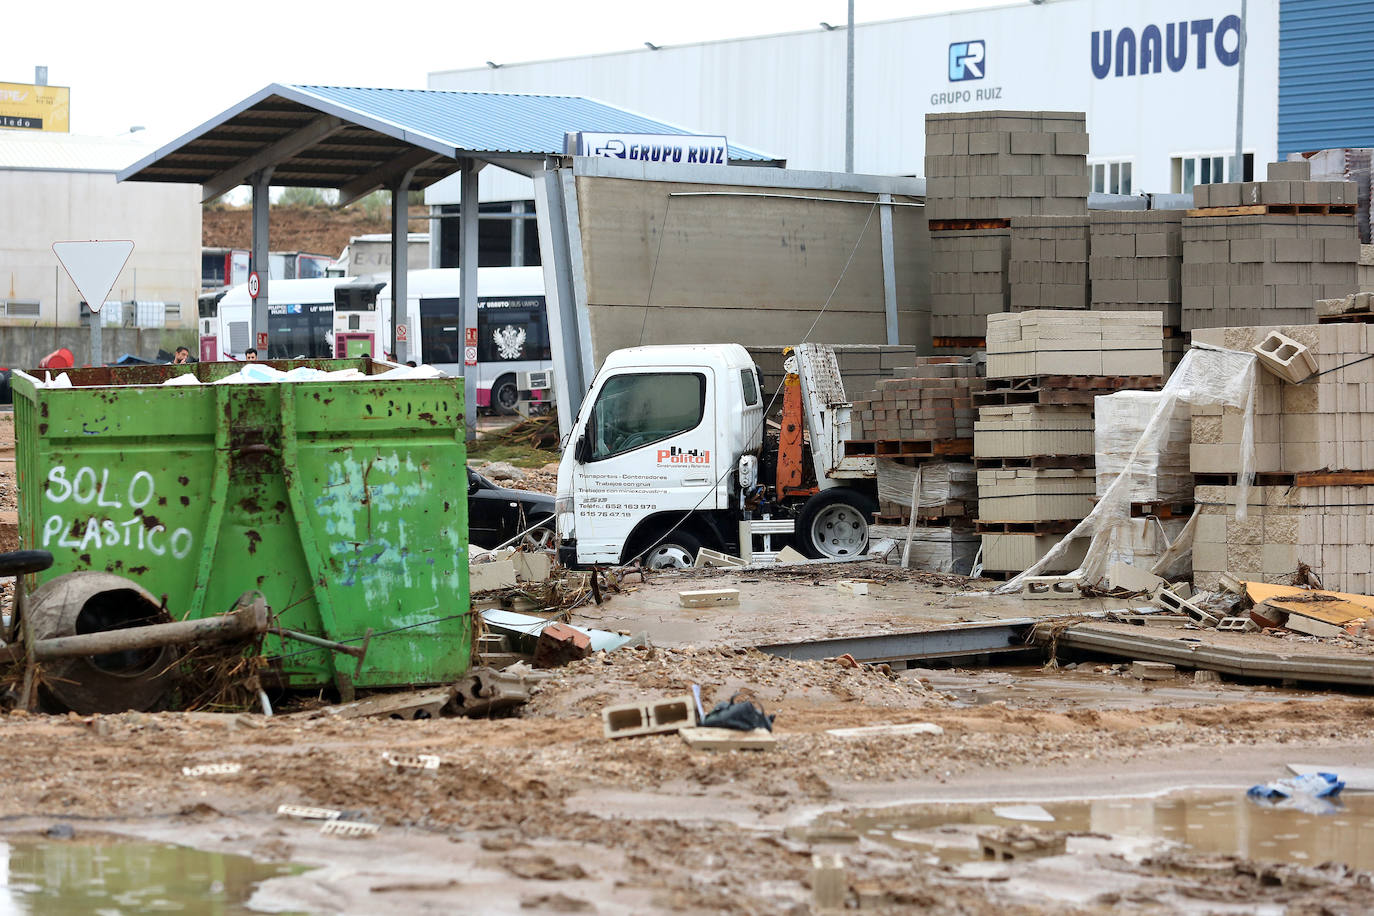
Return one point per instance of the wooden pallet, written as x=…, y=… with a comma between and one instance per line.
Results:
x=1289, y=209
x=1071, y=462
x=922, y=521
x=1347, y=318
x=964, y=225
x=961, y=343
x=1162, y=510
x=1063, y=526
x=908, y=448
x=1229, y=480
x=1334, y=479
x=1060, y=390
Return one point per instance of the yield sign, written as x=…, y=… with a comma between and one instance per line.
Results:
x=94, y=266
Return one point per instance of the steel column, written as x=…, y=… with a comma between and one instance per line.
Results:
x=560, y=303
x=467, y=263
x=889, y=268
x=259, y=260
x=400, y=263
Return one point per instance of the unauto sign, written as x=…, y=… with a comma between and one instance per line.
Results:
x=1174, y=45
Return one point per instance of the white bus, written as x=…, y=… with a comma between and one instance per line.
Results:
x=512, y=327
x=345, y=316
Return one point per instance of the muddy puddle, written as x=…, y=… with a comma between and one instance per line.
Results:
x=113, y=876
x=1200, y=822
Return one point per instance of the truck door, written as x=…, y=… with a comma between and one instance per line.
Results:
x=648, y=446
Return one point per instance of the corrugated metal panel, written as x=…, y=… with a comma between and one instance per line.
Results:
x=1326, y=69
x=498, y=122
x=67, y=152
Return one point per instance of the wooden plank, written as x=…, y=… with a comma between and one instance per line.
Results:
x=727, y=739
x=1252, y=210
x=1334, y=479
x=1260, y=592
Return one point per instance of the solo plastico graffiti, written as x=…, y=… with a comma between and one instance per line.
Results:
x=94, y=509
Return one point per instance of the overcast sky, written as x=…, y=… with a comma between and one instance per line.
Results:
x=168, y=66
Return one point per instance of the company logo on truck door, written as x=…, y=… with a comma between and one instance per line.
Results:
x=1116, y=53
x=966, y=61
x=677, y=456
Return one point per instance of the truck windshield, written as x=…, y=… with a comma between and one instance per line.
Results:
x=635, y=410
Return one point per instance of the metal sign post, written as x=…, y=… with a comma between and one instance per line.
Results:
x=94, y=267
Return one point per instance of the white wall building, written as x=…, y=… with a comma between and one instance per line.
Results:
x=57, y=187
x=1157, y=79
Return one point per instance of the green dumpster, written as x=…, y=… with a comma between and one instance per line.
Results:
x=343, y=502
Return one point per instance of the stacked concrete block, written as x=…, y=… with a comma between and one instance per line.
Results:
x=1013, y=553
x=982, y=170
x=1365, y=273
x=1034, y=495
x=1342, y=164
x=862, y=366
x=1048, y=266
x=1324, y=424
x=1328, y=529
x=1003, y=164
x=1137, y=262
x=1267, y=268
x=1160, y=472
x=1323, y=427
x=948, y=549
x=1065, y=342
x=931, y=400
x=1031, y=430
x=968, y=280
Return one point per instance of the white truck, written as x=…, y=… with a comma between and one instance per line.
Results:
x=668, y=454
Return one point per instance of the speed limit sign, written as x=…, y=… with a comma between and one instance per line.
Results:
x=254, y=284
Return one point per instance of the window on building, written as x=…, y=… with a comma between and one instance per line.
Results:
x=1208, y=168
x=1112, y=177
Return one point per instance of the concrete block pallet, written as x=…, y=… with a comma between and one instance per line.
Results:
x=1048, y=264
x=983, y=169
x=1036, y=477
x=930, y=400
x=1264, y=269
x=1313, y=499
x=1136, y=262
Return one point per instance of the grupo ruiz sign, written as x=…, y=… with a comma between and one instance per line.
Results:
x=687, y=149
x=27, y=107
x=1128, y=51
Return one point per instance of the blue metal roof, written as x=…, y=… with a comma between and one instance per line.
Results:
x=1326, y=69
x=341, y=137
x=500, y=122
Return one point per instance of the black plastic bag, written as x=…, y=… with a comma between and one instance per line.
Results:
x=741, y=715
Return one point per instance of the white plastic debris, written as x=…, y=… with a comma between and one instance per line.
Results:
x=212, y=769
x=304, y=812
x=1024, y=813
x=411, y=761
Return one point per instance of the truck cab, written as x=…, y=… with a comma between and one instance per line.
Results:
x=667, y=456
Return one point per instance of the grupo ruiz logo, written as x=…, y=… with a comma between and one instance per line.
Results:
x=1154, y=48
x=966, y=61
x=675, y=455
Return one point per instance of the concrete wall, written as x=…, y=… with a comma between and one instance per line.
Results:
x=751, y=269
x=42, y=207
x=24, y=347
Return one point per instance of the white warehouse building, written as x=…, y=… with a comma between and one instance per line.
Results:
x=1158, y=81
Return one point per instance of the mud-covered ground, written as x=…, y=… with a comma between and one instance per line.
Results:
x=543, y=813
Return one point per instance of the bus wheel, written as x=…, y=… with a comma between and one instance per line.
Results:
x=505, y=395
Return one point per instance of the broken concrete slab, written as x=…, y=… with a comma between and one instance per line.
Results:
x=1015, y=844
x=709, y=597
x=1153, y=671
x=532, y=566
x=413, y=704
x=789, y=555
x=1128, y=578
x=487, y=577
x=728, y=739
x=708, y=557
x=851, y=589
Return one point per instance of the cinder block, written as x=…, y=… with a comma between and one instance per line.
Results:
x=657, y=717
x=1285, y=358
x=1289, y=171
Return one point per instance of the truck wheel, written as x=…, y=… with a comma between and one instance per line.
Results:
x=505, y=395
x=834, y=524
x=676, y=551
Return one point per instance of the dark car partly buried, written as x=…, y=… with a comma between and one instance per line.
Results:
x=497, y=514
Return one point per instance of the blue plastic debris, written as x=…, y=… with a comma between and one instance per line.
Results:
x=1313, y=785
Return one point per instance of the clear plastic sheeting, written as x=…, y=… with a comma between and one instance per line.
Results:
x=941, y=482
x=1206, y=376
x=1162, y=471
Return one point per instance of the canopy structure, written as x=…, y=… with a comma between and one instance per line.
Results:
x=358, y=140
